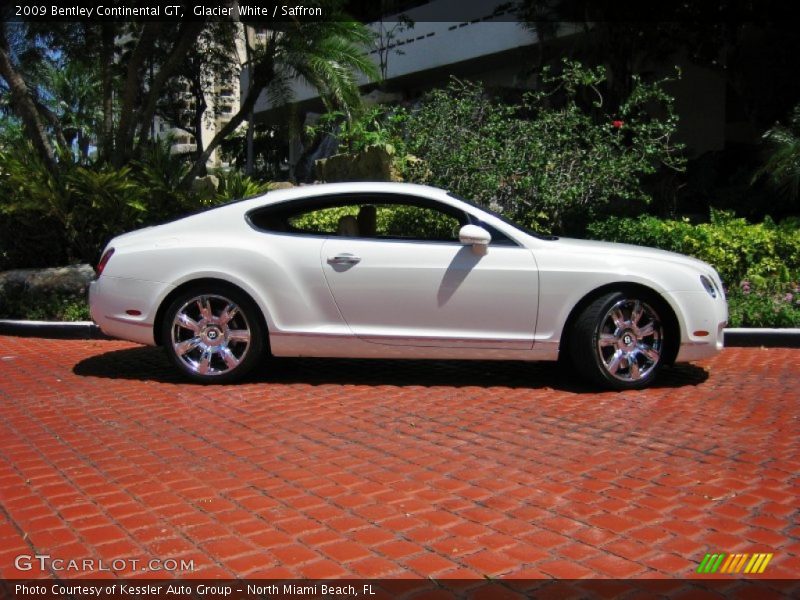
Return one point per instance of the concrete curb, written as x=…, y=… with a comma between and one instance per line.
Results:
x=775, y=338
x=87, y=330
x=63, y=330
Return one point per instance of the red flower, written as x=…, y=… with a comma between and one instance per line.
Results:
x=617, y=124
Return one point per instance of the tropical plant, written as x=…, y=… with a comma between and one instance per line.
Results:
x=740, y=251
x=558, y=156
x=234, y=185
x=782, y=165
x=73, y=95
x=137, y=63
x=328, y=55
x=369, y=126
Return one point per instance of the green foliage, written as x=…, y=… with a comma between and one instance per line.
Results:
x=51, y=306
x=324, y=220
x=552, y=157
x=777, y=305
x=390, y=221
x=234, y=185
x=371, y=126
x=87, y=204
x=72, y=213
x=759, y=264
x=782, y=166
x=738, y=250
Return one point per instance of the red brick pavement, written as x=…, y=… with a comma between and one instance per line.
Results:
x=334, y=468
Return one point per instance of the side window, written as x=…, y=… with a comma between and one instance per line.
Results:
x=381, y=217
x=323, y=221
x=411, y=222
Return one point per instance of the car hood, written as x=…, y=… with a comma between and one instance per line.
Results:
x=613, y=249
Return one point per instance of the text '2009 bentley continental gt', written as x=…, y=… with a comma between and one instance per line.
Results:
x=392, y=270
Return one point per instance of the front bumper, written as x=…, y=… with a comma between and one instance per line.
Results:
x=704, y=320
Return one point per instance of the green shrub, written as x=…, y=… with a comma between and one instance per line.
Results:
x=68, y=216
x=369, y=126
x=50, y=306
x=234, y=185
x=550, y=160
x=759, y=263
x=775, y=307
x=739, y=250
x=389, y=221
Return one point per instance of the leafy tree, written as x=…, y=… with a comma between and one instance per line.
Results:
x=215, y=66
x=782, y=166
x=552, y=160
x=141, y=63
x=329, y=55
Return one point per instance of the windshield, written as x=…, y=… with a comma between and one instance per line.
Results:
x=503, y=218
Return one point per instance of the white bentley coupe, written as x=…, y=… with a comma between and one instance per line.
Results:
x=390, y=270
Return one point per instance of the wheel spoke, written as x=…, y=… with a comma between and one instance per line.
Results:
x=239, y=335
x=187, y=345
x=230, y=360
x=230, y=311
x=205, y=362
x=651, y=353
x=187, y=322
x=607, y=339
x=614, y=365
x=619, y=320
x=204, y=306
x=633, y=366
x=636, y=313
x=647, y=330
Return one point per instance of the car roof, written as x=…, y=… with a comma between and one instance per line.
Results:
x=324, y=189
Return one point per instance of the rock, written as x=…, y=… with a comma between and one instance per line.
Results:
x=206, y=187
x=372, y=164
x=73, y=280
x=280, y=185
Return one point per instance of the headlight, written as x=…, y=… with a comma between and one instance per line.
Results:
x=707, y=283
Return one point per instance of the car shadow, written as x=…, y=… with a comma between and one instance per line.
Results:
x=151, y=364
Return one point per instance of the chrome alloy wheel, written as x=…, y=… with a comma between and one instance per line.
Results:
x=630, y=340
x=210, y=335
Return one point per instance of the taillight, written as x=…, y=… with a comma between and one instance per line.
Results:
x=104, y=261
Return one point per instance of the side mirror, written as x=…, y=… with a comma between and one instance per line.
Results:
x=472, y=235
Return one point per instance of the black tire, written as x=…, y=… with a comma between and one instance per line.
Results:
x=220, y=337
x=618, y=340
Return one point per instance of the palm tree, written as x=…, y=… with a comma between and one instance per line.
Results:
x=73, y=91
x=329, y=55
x=782, y=166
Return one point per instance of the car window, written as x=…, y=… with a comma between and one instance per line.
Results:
x=386, y=217
x=364, y=216
x=379, y=220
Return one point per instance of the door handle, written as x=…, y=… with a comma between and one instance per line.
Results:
x=344, y=258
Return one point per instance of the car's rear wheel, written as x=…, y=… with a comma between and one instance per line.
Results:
x=619, y=342
x=213, y=334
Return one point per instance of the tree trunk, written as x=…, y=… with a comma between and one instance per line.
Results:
x=25, y=107
x=130, y=93
x=262, y=74
x=187, y=38
x=248, y=165
x=106, y=138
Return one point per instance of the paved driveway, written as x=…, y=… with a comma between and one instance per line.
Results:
x=333, y=468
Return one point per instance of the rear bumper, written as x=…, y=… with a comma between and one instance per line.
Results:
x=113, y=299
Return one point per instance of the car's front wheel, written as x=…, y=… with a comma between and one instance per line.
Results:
x=618, y=340
x=213, y=334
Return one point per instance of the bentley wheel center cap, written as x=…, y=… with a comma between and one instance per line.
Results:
x=213, y=335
